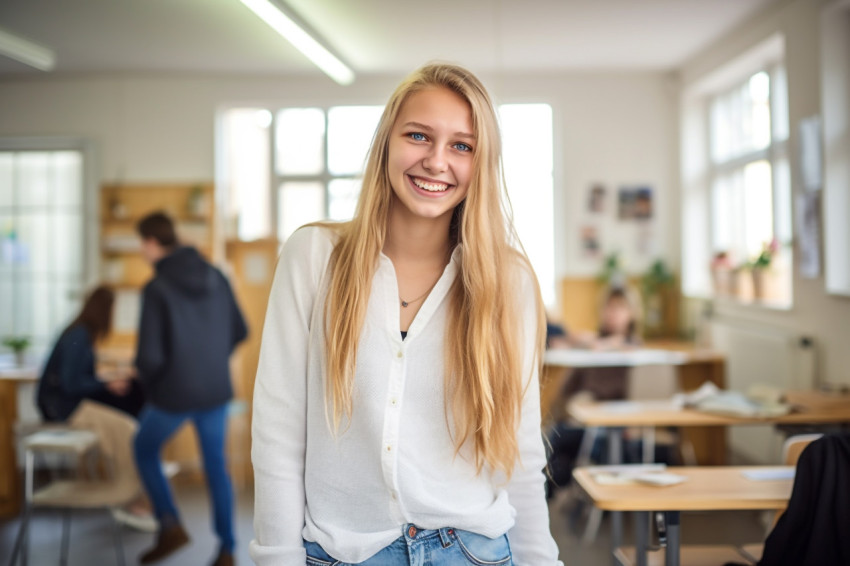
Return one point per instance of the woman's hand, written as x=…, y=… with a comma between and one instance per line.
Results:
x=118, y=387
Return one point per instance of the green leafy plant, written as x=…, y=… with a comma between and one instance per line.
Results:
x=657, y=278
x=766, y=256
x=16, y=343
x=612, y=272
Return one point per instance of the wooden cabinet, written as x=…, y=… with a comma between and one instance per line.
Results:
x=253, y=265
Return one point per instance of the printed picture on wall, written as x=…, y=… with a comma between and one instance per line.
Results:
x=596, y=198
x=589, y=238
x=635, y=203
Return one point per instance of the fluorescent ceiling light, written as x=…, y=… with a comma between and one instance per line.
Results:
x=285, y=24
x=26, y=51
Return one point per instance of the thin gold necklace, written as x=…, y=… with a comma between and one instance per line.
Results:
x=406, y=304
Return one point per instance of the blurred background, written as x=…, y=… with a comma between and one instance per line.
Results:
x=694, y=151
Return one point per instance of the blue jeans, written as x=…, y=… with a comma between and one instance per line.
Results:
x=155, y=428
x=417, y=547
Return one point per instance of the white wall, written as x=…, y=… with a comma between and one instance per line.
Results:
x=825, y=317
x=611, y=128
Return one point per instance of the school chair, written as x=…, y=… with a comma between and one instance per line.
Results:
x=93, y=427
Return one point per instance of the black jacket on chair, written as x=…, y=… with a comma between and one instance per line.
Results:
x=815, y=528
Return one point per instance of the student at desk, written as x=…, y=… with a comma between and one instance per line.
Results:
x=617, y=330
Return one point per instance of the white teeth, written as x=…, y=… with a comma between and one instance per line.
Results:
x=431, y=187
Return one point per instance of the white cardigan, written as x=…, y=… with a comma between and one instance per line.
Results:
x=395, y=462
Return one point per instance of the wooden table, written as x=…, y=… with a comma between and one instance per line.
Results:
x=694, y=366
x=10, y=490
x=707, y=488
x=810, y=408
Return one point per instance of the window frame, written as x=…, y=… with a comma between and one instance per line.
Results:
x=90, y=235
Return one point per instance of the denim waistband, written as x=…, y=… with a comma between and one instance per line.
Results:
x=414, y=533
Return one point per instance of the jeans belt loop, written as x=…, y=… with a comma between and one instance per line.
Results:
x=446, y=536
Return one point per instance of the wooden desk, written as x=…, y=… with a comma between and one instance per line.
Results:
x=694, y=366
x=706, y=489
x=10, y=490
x=810, y=408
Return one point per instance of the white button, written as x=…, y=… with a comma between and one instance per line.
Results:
x=389, y=448
x=394, y=401
x=400, y=354
x=393, y=495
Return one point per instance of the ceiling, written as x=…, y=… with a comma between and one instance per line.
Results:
x=373, y=36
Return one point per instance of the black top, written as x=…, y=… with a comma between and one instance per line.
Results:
x=403, y=334
x=68, y=376
x=813, y=529
x=190, y=323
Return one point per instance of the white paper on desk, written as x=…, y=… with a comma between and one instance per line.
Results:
x=625, y=470
x=784, y=473
x=660, y=479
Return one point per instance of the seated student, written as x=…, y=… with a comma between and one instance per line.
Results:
x=69, y=375
x=617, y=329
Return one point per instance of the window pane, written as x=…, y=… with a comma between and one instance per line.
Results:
x=740, y=119
x=300, y=141
x=350, y=131
x=247, y=154
x=343, y=195
x=299, y=204
x=34, y=250
x=783, y=227
x=67, y=234
x=722, y=205
x=32, y=181
x=527, y=153
x=758, y=206
x=7, y=304
x=6, y=180
x=67, y=178
x=759, y=102
x=779, y=102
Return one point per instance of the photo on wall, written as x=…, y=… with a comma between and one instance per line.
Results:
x=635, y=203
x=596, y=198
x=589, y=238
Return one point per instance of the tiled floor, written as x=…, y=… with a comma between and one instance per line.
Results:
x=91, y=540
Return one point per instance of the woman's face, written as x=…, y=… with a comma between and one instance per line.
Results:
x=617, y=316
x=430, y=153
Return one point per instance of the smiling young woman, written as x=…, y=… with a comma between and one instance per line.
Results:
x=396, y=408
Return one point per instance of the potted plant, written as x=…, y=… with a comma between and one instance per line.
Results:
x=19, y=345
x=655, y=285
x=759, y=265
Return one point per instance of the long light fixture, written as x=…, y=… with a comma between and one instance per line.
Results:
x=284, y=22
x=26, y=51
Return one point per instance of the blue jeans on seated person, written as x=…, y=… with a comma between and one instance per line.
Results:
x=421, y=547
x=155, y=428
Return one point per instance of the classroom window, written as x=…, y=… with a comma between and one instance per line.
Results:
x=750, y=185
x=285, y=167
x=41, y=242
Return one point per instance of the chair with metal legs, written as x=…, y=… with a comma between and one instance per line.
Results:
x=94, y=428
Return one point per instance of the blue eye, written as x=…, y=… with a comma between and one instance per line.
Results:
x=417, y=136
x=462, y=147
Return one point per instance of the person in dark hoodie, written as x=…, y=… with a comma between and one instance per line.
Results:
x=190, y=323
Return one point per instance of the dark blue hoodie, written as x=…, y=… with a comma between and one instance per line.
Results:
x=189, y=325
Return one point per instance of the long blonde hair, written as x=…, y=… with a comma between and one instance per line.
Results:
x=483, y=353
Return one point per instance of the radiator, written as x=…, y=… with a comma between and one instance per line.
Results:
x=761, y=354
